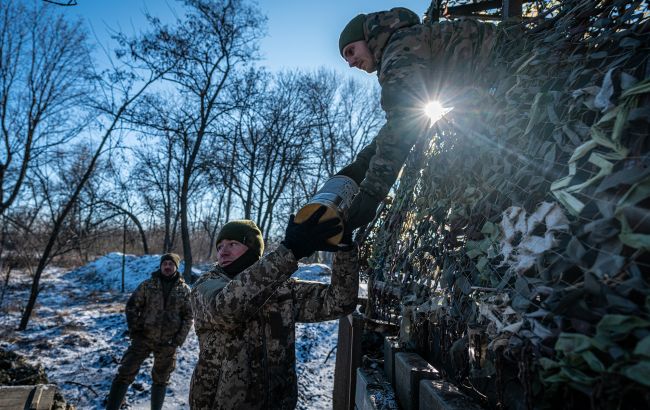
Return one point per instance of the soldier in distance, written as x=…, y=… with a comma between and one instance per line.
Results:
x=159, y=317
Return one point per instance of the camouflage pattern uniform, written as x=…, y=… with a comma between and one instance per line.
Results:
x=156, y=325
x=416, y=63
x=246, y=329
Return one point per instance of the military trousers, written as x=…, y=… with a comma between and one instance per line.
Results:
x=164, y=361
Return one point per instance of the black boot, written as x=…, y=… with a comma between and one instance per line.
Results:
x=158, y=396
x=116, y=396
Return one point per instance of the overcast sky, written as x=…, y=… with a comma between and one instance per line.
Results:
x=301, y=33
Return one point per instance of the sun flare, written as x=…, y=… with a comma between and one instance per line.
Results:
x=435, y=111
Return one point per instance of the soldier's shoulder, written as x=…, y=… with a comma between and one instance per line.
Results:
x=212, y=279
x=146, y=283
x=185, y=288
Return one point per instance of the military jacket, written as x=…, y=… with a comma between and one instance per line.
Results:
x=246, y=329
x=416, y=63
x=151, y=316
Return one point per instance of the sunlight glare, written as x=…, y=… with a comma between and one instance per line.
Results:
x=435, y=111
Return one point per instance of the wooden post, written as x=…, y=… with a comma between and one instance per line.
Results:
x=511, y=8
x=348, y=359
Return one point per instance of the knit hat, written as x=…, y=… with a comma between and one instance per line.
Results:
x=171, y=257
x=352, y=32
x=244, y=231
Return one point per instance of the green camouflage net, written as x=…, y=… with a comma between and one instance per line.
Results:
x=514, y=254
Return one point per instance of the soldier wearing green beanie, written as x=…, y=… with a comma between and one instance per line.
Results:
x=244, y=231
x=414, y=62
x=174, y=258
x=246, y=308
x=352, y=32
x=159, y=317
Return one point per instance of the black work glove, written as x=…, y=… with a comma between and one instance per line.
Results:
x=347, y=243
x=168, y=343
x=134, y=334
x=362, y=211
x=305, y=238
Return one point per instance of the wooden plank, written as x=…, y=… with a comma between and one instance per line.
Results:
x=511, y=8
x=355, y=357
x=440, y=395
x=340, y=397
x=468, y=9
x=39, y=397
x=391, y=346
x=374, y=391
x=410, y=369
x=348, y=359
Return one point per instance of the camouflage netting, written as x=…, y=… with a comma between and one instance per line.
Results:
x=514, y=255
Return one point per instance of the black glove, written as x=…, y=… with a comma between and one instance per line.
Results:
x=134, y=334
x=305, y=238
x=362, y=211
x=347, y=243
x=169, y=343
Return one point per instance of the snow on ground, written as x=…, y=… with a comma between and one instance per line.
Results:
x=77, y=332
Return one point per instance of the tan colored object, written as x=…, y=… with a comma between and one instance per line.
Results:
x=336, y=194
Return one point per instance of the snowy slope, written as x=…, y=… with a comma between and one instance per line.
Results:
x=77, y=333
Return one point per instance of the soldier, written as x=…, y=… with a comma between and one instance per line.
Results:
x=246, y=308
x=415, y=64
x=158, y=316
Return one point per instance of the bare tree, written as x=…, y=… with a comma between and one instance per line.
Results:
x=344, y=117
x=43, y=68
x=214, y=38
x=157, y=175
x=115, y=92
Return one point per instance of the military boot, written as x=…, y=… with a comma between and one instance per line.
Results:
x=158, y=396
x=116, y=396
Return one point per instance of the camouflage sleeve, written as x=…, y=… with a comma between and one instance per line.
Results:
x=420, y=64
x=134, y=308
x=358, y=168
x=186, y=319
x=317, y=302
x=226, y=304
x=404, y=94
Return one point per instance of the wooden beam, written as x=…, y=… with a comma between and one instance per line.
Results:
x=511, y=8
x=467, y=9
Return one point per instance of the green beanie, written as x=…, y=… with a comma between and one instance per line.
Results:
x=244, y=231
x=171, y=257
x=352, y=32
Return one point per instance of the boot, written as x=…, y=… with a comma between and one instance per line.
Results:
x=158, y=396
x=116, y=396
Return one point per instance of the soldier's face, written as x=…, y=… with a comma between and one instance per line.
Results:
x=358, y=55
x=168, y=268
x=229, y=250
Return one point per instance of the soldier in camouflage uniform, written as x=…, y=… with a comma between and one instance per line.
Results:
x=159, y=317
x=415, y=64
x=246, y=308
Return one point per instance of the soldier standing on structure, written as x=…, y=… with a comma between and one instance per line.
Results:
x=416, y=64
x=159, y=317
x=246, y=308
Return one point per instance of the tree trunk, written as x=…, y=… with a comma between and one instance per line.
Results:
x=136, y=221
x=58, y=223
x=185, y=232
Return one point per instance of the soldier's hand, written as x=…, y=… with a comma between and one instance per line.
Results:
x=347, y=243
x=133, y=333
x=305, y=238
x=168, y=343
